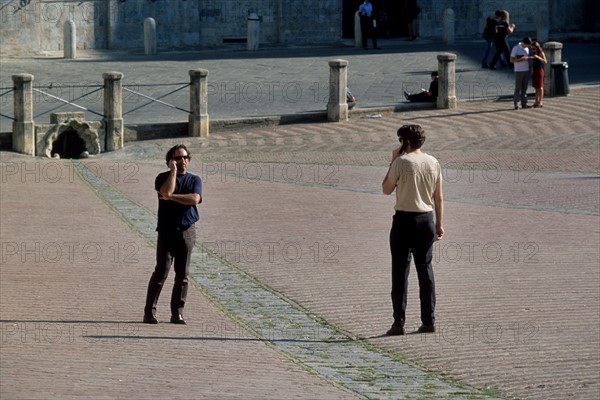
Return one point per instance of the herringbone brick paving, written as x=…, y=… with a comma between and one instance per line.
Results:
x=517, y=273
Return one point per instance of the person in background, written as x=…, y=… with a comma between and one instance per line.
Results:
x=350, y=99
x=489, y=35
x=367, y=24
x=411, y=12
x=519, y=56
x=503, y=29
x=426, y=95
x=537, y=77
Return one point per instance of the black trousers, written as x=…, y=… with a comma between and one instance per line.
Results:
x=412, y=233
x=368, y=31
x=171, y=248
x=422, y=98
x=501, y=48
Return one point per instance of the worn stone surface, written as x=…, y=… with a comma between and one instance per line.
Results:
x=295, y=213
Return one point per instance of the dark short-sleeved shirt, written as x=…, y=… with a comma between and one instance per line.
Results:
x=173, y=216
x=502, y=31
x=433, y=89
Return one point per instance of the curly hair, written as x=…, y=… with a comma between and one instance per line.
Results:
x=413, y=134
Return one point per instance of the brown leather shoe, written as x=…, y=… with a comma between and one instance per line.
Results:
x=395, y=331
x=426, y=329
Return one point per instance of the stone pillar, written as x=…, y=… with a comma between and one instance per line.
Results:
x=337, y=108
x=253, y=39
x=198, y=119
x=150, y=41
x=23, y=133
x=113, y=110
x=542, y=23
x=449, y=30
x=357, y=31
x=70, y=40
x=447, y=81
x=553, y=51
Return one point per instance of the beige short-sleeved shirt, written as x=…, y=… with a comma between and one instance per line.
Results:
x=416, y=177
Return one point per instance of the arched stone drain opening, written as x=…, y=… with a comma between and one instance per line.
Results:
x=69, y=145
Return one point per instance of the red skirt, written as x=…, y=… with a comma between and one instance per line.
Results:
x=537, y=79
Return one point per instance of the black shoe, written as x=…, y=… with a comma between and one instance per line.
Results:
x=150, y=319
x=177, y=319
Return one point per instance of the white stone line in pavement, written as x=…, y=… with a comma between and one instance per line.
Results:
x=353, y=363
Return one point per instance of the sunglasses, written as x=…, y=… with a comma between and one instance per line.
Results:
x=179, y=158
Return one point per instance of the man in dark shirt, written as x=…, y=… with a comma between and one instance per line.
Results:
x=179, y=192
x=426, y=96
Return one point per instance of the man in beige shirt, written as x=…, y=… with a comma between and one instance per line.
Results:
x=417, y=179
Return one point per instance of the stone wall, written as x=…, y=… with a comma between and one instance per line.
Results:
x=36, y=26
x=565, y=15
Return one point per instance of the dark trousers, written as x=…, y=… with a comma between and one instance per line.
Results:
x=171, y=248
x=422, y=98
x=412, y=233
x=501, y=49
x=368, y=31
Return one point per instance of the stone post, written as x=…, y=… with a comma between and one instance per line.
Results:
x=23, y=133
x=449, y=26
x=70, y=40
x=553, y=51
x=150, y=41
x=198, y=119
x=113, y=110
x=337, y=107
x=447, y=81
x=253, y=39
x=357, y=31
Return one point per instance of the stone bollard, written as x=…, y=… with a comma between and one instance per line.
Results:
x=542, y=23
x=150, y=40
x=70, y=40
x=553, y=51
x=337, y=107
x=253, y=39
x=198, y=119
x=23, y=133
x=447, y=81
x=113, y=110
x=357, y=31
x=449, y=26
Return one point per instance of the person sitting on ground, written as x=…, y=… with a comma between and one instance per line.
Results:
x=426, y=95
x=350, y=99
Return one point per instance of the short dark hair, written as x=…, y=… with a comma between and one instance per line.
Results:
x=173, y=149
x=436, y=74
x=526, y=40
x=413, y=134
x=498, y=13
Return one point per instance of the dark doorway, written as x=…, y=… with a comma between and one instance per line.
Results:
x=389, y=14
x=68, y=145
